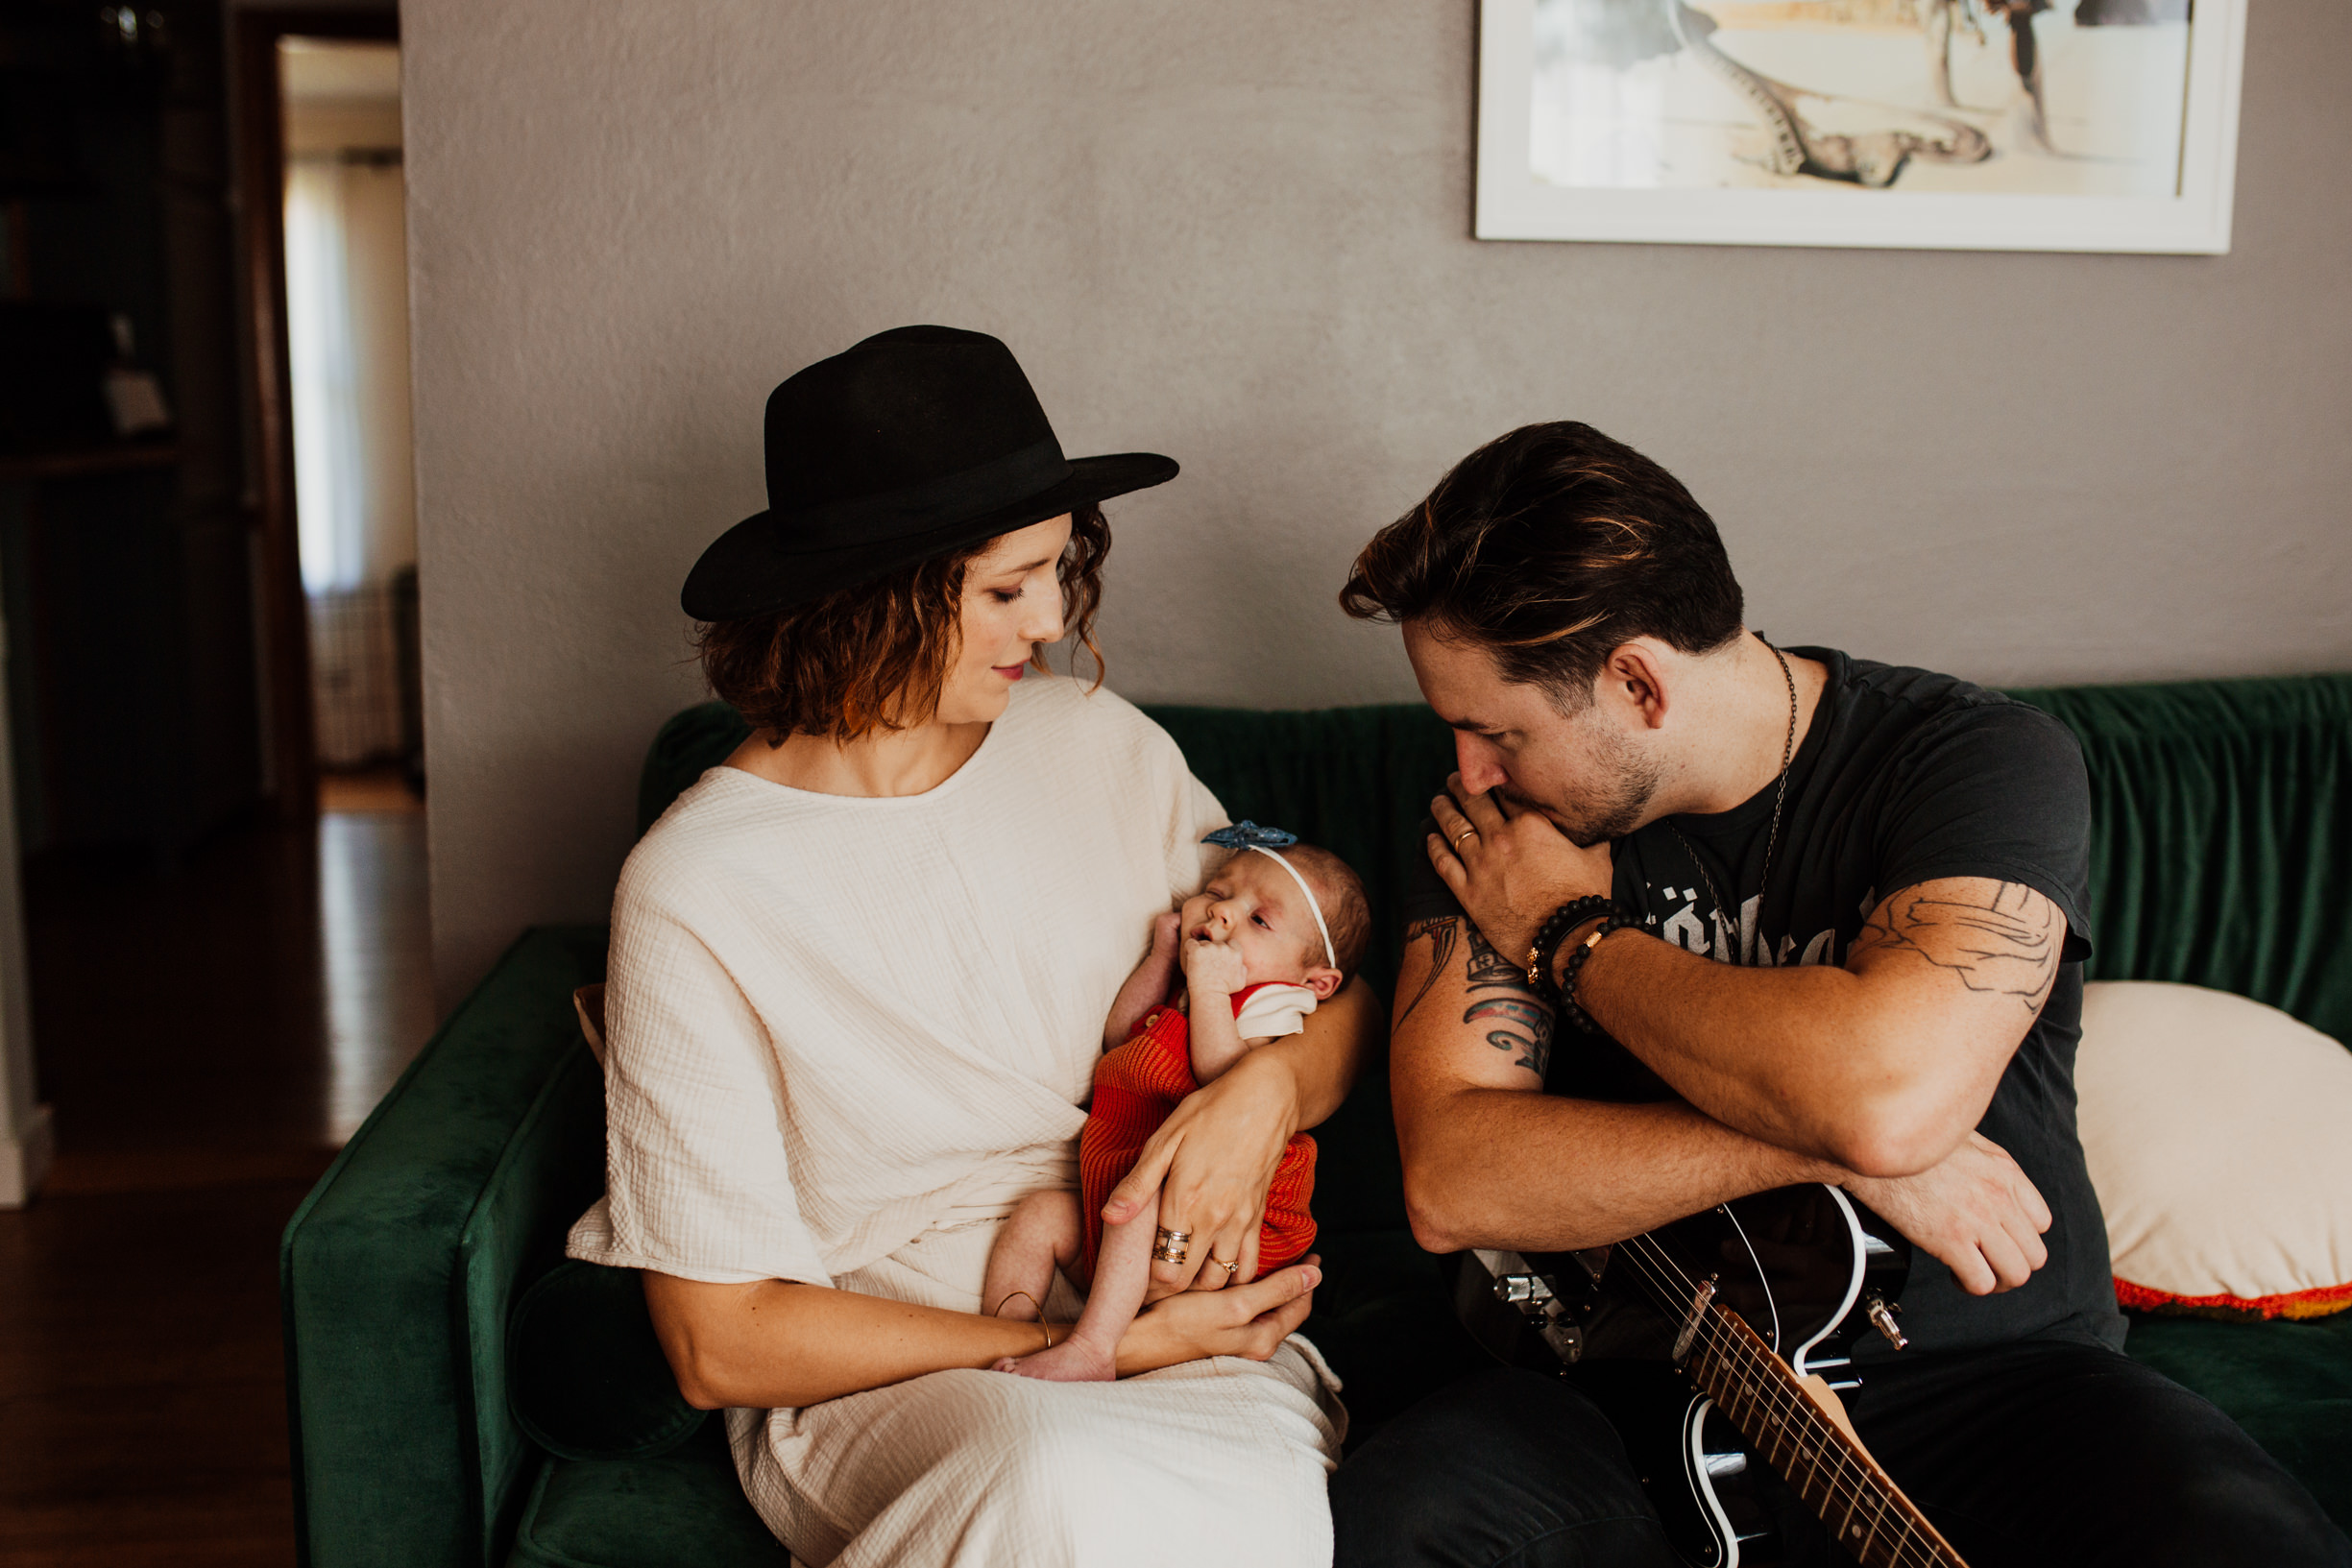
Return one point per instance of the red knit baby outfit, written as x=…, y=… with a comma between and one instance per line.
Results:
x=1136, y=1085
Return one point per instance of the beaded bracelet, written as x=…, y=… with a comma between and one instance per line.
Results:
x=1551, y=933
x=1617, y=921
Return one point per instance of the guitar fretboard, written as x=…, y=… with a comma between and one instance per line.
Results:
x=1839, y=1481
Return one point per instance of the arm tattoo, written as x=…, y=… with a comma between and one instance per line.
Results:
x=1444, y=931
x=2006, y=943
x=1511, y=1015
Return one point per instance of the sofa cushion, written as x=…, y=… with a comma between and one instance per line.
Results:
x=2289, y=1384
x=584, y=1372
x=685, y=1506
x=2214, y=1131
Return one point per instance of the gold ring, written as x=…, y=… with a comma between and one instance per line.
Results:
x=1463, y=834
x=1230, y=1268
x=1170, y=1245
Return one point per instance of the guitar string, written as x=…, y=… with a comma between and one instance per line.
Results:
x=1658, y=1271
x=1780, y=1403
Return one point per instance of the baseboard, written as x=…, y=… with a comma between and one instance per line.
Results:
x=24, y=1159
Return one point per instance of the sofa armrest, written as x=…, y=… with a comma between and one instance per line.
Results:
x=398, y=1271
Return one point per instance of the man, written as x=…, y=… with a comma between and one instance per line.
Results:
x=1851, y=919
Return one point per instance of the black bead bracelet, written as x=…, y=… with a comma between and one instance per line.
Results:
x=1551, y=933
x=1568, y=1007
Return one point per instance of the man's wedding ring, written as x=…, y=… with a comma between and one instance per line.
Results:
x=1172, y=1245
x=1463, y=834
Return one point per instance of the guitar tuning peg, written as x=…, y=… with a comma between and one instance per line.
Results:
x=1882, y=1318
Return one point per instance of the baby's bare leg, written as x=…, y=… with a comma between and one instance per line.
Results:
x=1042, y=1230
x=1122, y=1273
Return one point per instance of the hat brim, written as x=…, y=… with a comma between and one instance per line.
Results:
x=747, y=571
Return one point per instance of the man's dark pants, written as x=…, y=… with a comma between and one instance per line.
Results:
x=2038, y=1453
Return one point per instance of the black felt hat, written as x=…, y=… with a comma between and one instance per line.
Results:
x=915, y=441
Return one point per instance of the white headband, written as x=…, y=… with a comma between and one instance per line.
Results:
x=1331, y=954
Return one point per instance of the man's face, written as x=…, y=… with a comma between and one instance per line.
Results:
x=1586, y=771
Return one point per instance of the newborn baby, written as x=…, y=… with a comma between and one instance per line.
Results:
x=1279, y=927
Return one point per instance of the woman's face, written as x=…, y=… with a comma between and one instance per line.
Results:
x=1012, y=604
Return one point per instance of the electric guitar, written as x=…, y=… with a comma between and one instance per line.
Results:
x=1704, y=1342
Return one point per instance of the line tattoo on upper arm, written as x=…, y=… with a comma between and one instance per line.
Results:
x=2007, y=943
x=1444, y=931
x=1501, y=1001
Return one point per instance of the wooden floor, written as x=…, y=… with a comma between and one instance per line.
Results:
x=208, y=1037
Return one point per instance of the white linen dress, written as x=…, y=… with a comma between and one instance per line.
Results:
x=845, y=1036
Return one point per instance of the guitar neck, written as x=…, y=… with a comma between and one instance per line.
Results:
x=1861, y=1506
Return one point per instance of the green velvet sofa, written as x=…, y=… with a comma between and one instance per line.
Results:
x=2223, y=844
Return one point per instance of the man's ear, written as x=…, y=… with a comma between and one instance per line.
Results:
x=1323, y=979
x=1635, y=677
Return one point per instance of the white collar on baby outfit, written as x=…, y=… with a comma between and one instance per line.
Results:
x=1277, y=1007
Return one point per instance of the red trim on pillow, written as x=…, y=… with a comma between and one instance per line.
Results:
x=2327, y=1299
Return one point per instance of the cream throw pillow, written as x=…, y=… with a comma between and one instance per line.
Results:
x=2219, y=1133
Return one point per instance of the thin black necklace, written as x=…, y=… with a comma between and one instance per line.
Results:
x=1779, y=798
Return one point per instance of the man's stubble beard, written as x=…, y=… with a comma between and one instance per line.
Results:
x=1616, y=810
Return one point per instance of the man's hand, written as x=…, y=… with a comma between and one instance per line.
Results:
x=1510, y=867
x=1976, y=1211
x=1212, y=969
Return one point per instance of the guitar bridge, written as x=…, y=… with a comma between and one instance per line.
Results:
x=1537, y=1302
x=1524, y=1290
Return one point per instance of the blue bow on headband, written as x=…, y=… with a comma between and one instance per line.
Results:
x=1247, y=834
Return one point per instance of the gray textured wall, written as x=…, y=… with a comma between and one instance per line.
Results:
x=1238, y=234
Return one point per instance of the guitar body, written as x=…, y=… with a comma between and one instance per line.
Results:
x=1802, y=1266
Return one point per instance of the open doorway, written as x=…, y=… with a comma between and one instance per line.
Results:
x=347, y=342
x=345, y=264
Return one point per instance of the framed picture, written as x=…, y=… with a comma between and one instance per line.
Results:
x=1991, y=125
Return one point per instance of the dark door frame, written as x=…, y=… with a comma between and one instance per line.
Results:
x=261, y=183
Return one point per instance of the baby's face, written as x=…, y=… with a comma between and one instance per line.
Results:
x=1252, y=906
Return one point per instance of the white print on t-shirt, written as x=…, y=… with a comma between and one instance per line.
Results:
x=1747, y=946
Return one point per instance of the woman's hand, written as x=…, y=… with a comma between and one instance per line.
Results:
x=1250, y=1321
x=1212, y=1161
x=1510, y=868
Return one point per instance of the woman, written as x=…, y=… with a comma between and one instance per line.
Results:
x=857, y=985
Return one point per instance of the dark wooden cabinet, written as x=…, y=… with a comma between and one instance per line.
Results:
x=128, y=570
x=132, y=672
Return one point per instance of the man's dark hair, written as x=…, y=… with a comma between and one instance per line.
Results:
x=1551, y=548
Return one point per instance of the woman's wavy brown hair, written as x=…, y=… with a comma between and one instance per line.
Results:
x=876, y=656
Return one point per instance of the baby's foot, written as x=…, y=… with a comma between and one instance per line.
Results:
x=1072, y=1361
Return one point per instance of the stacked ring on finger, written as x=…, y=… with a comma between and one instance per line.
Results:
x=1171, y=1245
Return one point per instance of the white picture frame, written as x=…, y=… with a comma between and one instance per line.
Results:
x=1986, y=212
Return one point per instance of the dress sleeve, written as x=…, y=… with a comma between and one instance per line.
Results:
x=699, y=1180
x=1997, y=790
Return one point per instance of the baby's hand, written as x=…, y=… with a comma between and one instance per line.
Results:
x=1213, y=967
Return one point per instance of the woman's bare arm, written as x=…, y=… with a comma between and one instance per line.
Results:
x=775, y=1344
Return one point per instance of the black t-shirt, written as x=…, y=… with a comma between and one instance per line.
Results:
x=1903, y=776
